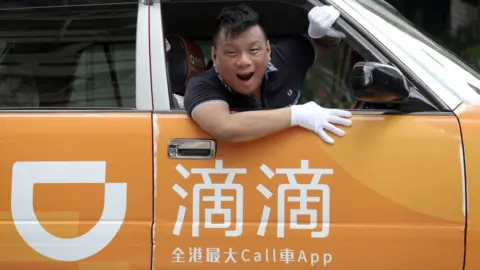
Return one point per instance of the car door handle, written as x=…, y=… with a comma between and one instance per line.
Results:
x=192, y=148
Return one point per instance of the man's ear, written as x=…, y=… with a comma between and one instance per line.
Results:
x=269, y=49
x=213, y=56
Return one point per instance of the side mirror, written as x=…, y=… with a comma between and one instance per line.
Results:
x=376, y=82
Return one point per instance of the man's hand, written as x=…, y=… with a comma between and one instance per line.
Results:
x=316, y=118
x=321, y=20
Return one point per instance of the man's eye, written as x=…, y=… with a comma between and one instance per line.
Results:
x=255, y=50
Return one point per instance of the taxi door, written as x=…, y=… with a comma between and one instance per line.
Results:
x=76, y=159
x=388, y=195
x=382, y=197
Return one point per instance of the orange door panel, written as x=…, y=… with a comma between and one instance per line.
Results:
x=76, y=191
x=469, y=119
x=387, y=196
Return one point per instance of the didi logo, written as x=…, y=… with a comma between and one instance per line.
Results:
x=27, y=174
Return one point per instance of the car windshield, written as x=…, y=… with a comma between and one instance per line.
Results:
x=443, y=57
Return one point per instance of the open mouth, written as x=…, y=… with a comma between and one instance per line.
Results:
x=245, y=77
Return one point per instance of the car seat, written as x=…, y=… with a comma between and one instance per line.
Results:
x=104, y=76
x=17, y=83
x=185, y=60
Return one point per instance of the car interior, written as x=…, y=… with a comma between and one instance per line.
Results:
x=60, y=58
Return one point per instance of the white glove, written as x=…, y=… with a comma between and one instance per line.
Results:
x=321, y=20
x=316, y=118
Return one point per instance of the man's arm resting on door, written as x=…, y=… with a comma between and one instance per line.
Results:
x=215, y=118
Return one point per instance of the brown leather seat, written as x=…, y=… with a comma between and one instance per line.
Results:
x=185, y=60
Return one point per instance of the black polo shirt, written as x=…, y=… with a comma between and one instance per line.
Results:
x=290, y=60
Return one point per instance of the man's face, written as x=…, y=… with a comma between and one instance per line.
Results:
x=242, y=60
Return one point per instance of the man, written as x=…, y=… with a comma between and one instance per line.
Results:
x=261, y=82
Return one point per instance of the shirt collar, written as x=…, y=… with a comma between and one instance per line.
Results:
x=270, y=68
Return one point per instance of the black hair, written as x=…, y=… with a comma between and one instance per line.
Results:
x=235, y=20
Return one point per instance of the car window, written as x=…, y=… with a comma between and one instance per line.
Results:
x=105, y=77
x=327, y=82
x=68, y=56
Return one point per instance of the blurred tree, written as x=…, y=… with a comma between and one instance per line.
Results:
x=466, y=40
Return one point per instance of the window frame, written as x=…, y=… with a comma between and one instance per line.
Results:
x=143, y=93
x=162, y=96
x=360, y=39
x=356, y=38
x=426, y=85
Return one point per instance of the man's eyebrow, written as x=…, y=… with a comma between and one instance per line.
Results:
x=226, y=43
x=255, y=42
x=228, y=47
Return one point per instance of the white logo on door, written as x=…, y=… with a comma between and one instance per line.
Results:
x=26, y=174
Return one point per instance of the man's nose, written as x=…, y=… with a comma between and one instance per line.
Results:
x=244, y=60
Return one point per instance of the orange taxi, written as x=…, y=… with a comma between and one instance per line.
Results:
x=101, y=167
